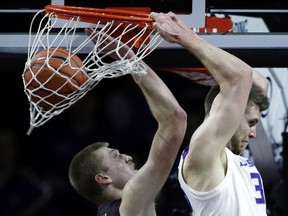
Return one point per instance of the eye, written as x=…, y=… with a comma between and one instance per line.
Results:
x=115, y=155
x=253, y=123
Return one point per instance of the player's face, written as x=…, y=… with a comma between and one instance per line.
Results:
x=120, y=166
x=246, y=131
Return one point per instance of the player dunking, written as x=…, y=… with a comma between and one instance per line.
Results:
x=109, y=179
x=215, y=179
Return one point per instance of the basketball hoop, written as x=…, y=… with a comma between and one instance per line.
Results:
x=132, y=28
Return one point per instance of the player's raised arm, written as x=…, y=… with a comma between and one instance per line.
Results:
x=233, y=76
x=212, y=174
x=141, y=189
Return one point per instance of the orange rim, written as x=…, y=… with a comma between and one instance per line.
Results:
x=104, y=15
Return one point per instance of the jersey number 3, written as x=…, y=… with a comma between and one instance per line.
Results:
x=258, y=187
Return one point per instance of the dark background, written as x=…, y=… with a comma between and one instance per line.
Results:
x=34, y=169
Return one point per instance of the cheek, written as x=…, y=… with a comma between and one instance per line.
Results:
x=244, y=129
x=124, y=169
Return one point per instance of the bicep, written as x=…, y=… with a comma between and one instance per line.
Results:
x=144, y=187
x=141, y=191
x=221, y=123
x=211, y=137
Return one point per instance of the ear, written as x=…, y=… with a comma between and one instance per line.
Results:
x=103, y=179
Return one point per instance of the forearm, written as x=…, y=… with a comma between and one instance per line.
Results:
x=224, y=67
x=161, y=101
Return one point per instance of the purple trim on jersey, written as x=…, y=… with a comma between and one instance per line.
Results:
x=185, y=151
x=184, y=154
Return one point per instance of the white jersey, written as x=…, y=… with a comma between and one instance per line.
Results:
x=241, y=193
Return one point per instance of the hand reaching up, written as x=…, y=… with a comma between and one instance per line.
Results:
x=172, y=28
x=109, y=45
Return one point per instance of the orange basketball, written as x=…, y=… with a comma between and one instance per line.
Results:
x=49, y=85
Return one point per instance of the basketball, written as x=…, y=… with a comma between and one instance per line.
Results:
x=50, y=78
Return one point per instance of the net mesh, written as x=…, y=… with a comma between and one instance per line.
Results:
x=96, y=66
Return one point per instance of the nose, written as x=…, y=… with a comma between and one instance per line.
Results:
x=127, y=158
x=252, y=132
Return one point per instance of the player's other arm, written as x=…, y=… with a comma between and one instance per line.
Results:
x=141, y=191
x=205, y=157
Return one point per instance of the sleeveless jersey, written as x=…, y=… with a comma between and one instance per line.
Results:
x=109, y=209
x=241, y=193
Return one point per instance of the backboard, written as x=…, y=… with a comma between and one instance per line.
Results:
x=20, y=14
x=249, y=47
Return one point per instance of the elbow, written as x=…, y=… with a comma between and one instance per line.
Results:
x=179, y=118
x=181, y=115
x=260, y=83
x=265, y=86
x=184, y=116
x=245, y=76
x=173, y=119
x=238, y=75
x=178, y=126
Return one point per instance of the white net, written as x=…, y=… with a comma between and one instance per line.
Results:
x=49, y=90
